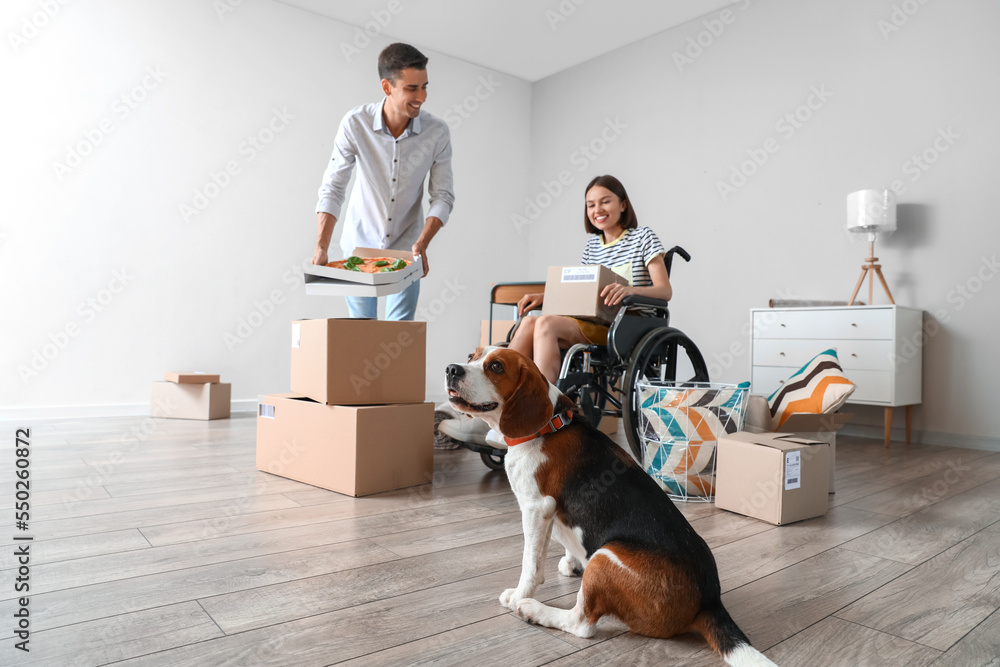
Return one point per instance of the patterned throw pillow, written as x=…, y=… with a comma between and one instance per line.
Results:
x=680, y=428
x=818, y=387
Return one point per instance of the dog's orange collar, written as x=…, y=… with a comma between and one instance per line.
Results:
x=556, y=423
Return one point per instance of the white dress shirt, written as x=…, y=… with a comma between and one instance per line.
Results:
x=385, y=209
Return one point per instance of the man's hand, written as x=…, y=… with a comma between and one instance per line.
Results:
x=324, y=231
x=614, y=293
x=420, y=250
x=529, y=302
x=319, y=257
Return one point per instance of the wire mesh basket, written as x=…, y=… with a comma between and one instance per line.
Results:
x=679, y=426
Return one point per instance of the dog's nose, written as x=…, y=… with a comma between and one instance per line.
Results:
x=454, y=371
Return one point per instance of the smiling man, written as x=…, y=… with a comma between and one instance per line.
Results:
x=396, y=146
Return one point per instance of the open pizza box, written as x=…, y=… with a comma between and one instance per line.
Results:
x=330, y=281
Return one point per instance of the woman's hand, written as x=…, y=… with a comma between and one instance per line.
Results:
x=529, y=302
x=615, y=292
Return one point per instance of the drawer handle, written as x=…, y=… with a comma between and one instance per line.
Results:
x=782, y=325
x=854, y=325
x=781, y=354
x=854, y=355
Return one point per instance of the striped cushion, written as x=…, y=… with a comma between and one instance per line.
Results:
x=818, y=387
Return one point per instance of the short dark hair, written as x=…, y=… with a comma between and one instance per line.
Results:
x=397, y=57
x=629, y=221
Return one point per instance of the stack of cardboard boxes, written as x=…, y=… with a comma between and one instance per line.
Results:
x=357, y=422
x=190, y=395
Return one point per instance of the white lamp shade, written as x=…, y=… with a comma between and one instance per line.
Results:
x=871, y=211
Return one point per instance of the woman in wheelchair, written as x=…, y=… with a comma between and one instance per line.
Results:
x=616, y=242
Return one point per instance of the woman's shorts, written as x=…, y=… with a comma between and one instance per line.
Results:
x=596, y=334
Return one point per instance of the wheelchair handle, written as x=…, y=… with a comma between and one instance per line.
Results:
x=669, y=258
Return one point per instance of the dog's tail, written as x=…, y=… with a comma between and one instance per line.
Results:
x=723, y=635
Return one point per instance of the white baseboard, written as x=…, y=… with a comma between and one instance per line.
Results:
x=110, y=410
x=925, y=437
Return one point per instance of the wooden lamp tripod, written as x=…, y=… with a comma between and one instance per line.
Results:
x=871, y=212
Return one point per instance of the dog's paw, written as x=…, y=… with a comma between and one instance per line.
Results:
x=528, y=609
x=570, y=567
x=509, y=599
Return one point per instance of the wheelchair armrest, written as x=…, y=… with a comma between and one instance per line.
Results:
x=636, y=300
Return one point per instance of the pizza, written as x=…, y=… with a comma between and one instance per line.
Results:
x=370, y=264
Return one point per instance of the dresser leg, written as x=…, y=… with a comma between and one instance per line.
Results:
x=888, y=425
x=909, y=422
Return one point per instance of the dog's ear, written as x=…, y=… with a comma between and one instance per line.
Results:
x=527, y=408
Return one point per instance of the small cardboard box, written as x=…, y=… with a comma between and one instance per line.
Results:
x=822, y=427
x=354, y=450
x=359, y=362
x=575, y=291
x=774, y=477
x=190, y=377
x=500, y=330
x=330, y=281
x=175, y=400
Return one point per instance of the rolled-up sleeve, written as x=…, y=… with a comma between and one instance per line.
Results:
x=441, y=185
x=333, y=190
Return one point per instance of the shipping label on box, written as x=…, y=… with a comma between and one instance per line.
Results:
x=776, y=477
x=575, y=291
x=355, y=450
x=359, y=362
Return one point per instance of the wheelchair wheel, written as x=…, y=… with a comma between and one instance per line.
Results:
x=492, y=461
x=657, y=357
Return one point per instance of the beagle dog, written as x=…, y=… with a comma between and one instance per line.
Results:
x=640, y=559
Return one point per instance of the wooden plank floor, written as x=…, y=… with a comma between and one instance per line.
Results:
x=158, y=543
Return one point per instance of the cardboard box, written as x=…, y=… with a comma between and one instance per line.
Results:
x=776, y=477
x=575, y=291
x=359, y=362
x=354, y=450
x=190, y=377
x=174, y=400
x=500, y=329
x=804, y=425
x=328, y=281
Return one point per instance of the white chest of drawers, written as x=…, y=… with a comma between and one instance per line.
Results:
x=879, y=349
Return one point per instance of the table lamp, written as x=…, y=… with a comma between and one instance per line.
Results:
x=871, y=212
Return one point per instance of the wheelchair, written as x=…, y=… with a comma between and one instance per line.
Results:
x=603, y=379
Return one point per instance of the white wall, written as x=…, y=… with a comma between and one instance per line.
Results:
x=186, y=290
x=684, y=127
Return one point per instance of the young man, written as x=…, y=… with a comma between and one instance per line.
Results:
x=396, y=146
